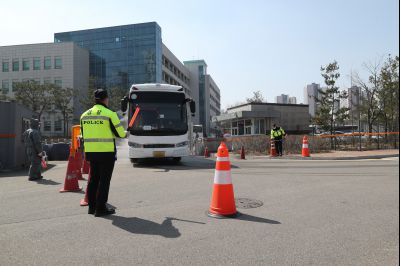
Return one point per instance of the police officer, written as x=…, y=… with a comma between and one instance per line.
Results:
x=33, y=147
x=99, y=127
x=277, y=135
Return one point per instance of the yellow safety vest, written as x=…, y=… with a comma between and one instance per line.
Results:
x=96, y=131
x=277, y=133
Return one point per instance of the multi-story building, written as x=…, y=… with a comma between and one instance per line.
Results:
x=283, y=98
x=64, y=64
x=128, y=54
x=292, y=100
x=206, y=94
x=121, y=55
x=311, y=92
x=174, y=72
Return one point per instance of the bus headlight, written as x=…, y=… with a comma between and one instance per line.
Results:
x=182, y=144
x=135, y=145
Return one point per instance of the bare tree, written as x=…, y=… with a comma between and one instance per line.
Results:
x=257, y=97
x=369, y=106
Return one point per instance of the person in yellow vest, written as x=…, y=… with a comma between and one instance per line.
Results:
x=277, y=135
x=99, y=128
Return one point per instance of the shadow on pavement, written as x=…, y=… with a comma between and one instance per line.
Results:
x=250, y=218
x=46, y=182
x=189, y=163
x=21, y=171
x=136, y=225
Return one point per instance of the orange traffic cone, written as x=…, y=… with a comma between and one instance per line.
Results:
x=223, y=199
x=273, y=149
x=86, y=166
x=242, y=154
x=71, y=179
x=305, y=151
x=206, y=153
x=78, y=162
x=84, y=201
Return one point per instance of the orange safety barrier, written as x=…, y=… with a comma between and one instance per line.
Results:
x=76, y=131
x=7, y=136
x=356, y=134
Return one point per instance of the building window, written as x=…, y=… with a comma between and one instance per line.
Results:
x=15, y=65
x=25, y=64
x=235, y=130
x=5, y=66
x=13, y=84
x=36, y=63
x=57, y=62
x=57, y=125
x=5, y=86
x=47, y=62
x=247, y=129
x=46, y=81
x=47, y=125
x=58, y=82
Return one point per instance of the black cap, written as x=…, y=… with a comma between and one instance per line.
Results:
x=100, y=94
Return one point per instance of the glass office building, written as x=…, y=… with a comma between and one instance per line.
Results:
x=122, y=55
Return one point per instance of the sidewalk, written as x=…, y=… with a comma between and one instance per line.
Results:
x=335, y=155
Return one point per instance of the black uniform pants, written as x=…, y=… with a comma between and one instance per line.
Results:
x=99, y=183
x=278, y=146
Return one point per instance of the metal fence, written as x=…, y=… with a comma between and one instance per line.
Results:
x=260, y=144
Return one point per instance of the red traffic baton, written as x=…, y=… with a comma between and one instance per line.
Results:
x=134, y=116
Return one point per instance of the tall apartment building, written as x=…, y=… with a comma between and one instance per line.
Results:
x=206, y=94
x=292, y=100
x=64, y=64
x=283, y=98
x=310, y=93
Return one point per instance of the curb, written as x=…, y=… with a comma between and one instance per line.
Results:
x=329, y=158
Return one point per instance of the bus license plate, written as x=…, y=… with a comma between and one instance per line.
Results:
x=159, y=154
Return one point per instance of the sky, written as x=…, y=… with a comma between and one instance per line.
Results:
x=257, y=45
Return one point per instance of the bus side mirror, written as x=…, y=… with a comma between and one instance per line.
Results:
x=192, y=106
x=124, y=104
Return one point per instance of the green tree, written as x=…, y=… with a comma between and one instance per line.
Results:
x=329, y=111
x=87, y=100
x=33, y=95
x=388, y=95
x=62, y=100
x=3, y=97
x=115, y=95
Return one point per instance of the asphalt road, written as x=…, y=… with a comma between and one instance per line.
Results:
x=314, y=213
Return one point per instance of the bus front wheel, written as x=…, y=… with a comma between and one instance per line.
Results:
x=177, y=159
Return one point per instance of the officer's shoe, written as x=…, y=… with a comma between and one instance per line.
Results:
x=104, y=212
x=91, y=210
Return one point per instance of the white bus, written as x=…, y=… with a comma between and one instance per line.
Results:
x=162, y=126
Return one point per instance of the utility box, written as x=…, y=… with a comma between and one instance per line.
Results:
x=14, y=120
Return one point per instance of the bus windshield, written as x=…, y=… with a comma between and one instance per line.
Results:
x=161, y=114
